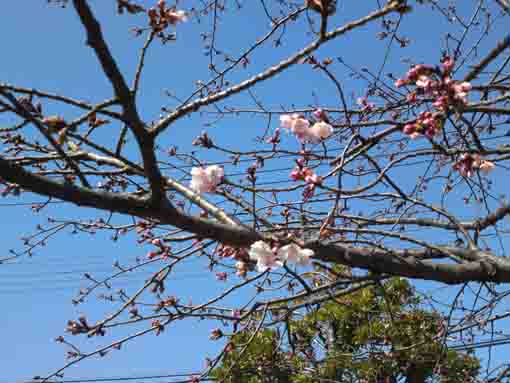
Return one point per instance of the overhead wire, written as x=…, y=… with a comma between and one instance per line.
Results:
x=460, y=347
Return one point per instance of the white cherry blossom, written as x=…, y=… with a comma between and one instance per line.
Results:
x=205, y=180
x=264, y=255
x=268, y=258
x=320, y=131
x=295, y=254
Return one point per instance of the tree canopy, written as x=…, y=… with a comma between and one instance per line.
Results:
x=376, y=334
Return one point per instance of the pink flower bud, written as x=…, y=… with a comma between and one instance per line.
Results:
x=448, y=64
x=409, y=128
x=401, y=82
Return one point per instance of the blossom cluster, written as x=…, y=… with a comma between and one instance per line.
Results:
x=437, y=83
x=469, y=163
x=304, y=173
x=205, y=180
x=304, y=131
x=160, y=17
x=267, y=257
x=427, y=123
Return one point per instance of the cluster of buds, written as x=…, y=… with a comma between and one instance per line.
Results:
x=203, y=140
x=240, y=255
x=161, y=250
x=161, y=16
x=95, y=122
x=158, y=326
x=78, y=327
x=302, y=128
x=232, y=252
x=417, y=73
x=55, y=124
x=327, y=7
x=109, y=184
x=427, y=123
x=216, y=334
x=71, y=354
x=169, y=302
x=469, y=163
x=144, y=231
x=304, y=173
x=436, y=82
x=252, y=172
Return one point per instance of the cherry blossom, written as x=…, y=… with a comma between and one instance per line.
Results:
x=295, y=254
x=461, y=90
x=320, y=131
x=242, y=269
x=427, y=123
x=287, y=120
x=468, y=163
x=265, y=256
x=271, y=258
x=436, y=83
x=206, y=179
x=301, y=128
x=297, y=124
x=486, y=166
x=426, y=83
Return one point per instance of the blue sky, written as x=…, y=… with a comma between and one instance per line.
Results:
x=43, y=47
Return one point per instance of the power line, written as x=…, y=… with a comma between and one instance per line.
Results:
x=126, y=378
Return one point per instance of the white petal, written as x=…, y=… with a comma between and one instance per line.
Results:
x=286, y=121
x=259, y=250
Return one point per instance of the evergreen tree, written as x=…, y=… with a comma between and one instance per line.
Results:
x=379, y=334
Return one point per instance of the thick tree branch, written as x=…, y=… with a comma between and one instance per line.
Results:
x=406, y=263
x=125, y=203
x=145, y=141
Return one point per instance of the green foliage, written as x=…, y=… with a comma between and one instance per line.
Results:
x=377, y=334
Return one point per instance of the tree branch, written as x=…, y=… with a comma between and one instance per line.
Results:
x=145, y=141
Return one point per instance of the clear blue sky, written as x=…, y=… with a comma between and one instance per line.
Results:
x=43, y=47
